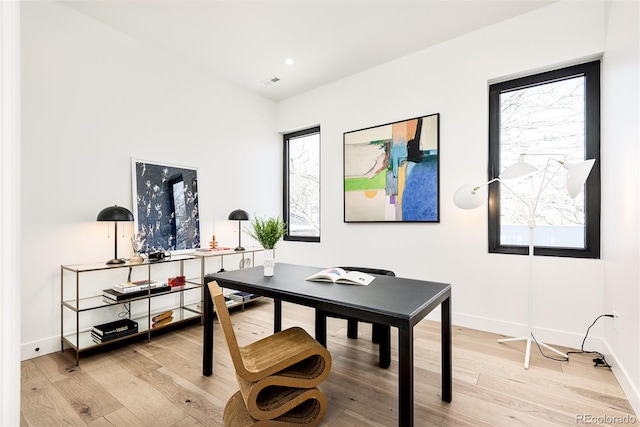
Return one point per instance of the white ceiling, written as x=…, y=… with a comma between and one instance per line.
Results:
x=247, y=42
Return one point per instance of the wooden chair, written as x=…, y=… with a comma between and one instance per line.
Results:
x=277, y=375
x=380, y=334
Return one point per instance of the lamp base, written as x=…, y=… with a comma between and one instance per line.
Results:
x=527, y=353
x=239, y=248
x=115, y=261
x=136, y=259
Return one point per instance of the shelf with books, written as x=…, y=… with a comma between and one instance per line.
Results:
x=97, y=301
x=87, y=342
x=235, y=298
x=88, y=299
x=246, y=258
x=179, y=315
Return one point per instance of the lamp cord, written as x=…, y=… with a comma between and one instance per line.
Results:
x=126, y=314
x=600, y=361
x=542, y=352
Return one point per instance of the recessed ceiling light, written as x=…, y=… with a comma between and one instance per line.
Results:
x=288, y=61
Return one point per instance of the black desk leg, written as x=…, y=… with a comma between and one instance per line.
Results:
x=445, y=325
x=207, y=341
x=384, y=345
x=405, y=376
x=277, y=315
x=321, y=327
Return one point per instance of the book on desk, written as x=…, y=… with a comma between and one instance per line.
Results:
x=339, y=275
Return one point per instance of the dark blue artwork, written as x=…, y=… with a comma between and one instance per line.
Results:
x=420, y=196
x=166, y=207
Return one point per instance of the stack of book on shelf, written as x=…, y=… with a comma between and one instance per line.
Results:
x=162, y=319
x=128, y=290
x=113, y=330
x=238, y=298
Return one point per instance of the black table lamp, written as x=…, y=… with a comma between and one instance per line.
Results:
x=115, y=214
x=239, y=215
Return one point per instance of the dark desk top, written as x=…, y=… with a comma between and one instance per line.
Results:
x=393, y=300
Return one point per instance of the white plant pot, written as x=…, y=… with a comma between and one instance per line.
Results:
x=269, y=262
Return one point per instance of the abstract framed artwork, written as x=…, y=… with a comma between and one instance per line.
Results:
x=391, y=172
x=166, y=210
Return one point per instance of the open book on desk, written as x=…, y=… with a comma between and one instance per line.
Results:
x=339, y=275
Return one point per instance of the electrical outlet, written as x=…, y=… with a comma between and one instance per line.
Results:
x=615, y=325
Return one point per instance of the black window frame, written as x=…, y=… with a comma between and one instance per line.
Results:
x=591, y=72
x=285, y=199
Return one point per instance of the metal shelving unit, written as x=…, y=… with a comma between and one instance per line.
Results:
x=80, y=295
x=233, y=298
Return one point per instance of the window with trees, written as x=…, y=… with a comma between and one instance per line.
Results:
x=302, y=185
x=556, y=113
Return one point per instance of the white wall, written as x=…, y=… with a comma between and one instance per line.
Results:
x=621, y=192
x=489, y=290
x=92, y=98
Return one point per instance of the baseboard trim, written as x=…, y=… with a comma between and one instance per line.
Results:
x=630, y=390
x=39, y=348
x=512, y=329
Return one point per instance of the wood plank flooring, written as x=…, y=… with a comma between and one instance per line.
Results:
x=161, y=384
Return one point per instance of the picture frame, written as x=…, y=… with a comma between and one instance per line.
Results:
x=166, y=210
x=392, y=172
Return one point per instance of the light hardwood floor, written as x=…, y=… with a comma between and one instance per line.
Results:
x=161, y=384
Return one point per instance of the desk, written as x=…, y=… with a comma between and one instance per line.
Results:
x=388, y=300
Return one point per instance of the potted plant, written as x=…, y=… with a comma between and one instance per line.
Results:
x=267, y=231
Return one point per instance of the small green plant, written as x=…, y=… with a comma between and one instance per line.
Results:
x=267, y=231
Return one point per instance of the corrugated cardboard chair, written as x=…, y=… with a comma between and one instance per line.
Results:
x=277, y=375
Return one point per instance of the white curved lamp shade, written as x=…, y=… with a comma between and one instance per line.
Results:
x=518, y=170
x=577, y=175
x=469, y=196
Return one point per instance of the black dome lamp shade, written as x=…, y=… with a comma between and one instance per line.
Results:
x=115, y=214
x=239, y=215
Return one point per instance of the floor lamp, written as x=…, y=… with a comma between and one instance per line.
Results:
x=471, y=196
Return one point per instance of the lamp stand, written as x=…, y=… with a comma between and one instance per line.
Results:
x=115, y=260
x=529, y=338
x=239, y=248
x=468, y=197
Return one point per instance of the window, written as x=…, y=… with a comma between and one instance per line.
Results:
x=302, y=185
x=554, y=113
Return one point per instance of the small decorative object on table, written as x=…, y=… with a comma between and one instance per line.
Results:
x=136, y=243
x=177, y=281
x=267, y=231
